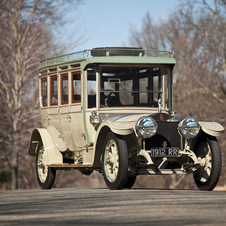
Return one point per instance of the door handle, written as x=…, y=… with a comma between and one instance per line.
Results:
x=48, y=117
x=68, y=117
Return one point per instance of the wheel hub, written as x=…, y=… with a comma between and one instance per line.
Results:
x=205, y=160
x=41, y=164
x=202, y=161
x=112, y=160
x=42, y=168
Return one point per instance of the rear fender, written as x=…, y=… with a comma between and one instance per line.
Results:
x=43, y=137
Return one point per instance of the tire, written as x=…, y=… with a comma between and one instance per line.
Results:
x=45, y=175
x=115, y=161
x=130, y=182
x=209, y=155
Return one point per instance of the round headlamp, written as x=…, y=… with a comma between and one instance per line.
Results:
x=189, y=127
x=146, y=127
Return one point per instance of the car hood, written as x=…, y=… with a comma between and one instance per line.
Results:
x=130, y=118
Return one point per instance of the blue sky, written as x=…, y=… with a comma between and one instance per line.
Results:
x=107, y=22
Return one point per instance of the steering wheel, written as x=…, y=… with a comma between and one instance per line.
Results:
x=106, y=100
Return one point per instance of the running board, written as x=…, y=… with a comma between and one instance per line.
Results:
x=162, y=171
x=67, y=165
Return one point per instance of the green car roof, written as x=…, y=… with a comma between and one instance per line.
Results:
x=111, y=55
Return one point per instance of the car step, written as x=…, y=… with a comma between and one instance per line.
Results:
x=67, y=165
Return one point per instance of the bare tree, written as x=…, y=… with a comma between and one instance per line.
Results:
x=198, y=37
x=26, y=37
x=196, y=32
x=150, y=35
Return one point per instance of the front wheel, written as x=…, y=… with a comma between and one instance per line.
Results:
x=46, y=175
x=209, y=155
x=115, y=161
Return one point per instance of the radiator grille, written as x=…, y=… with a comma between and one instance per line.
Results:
x=167, y=131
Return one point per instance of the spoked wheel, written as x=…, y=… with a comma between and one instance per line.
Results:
x=46, y=175
x=209, y=155
x=115, y=161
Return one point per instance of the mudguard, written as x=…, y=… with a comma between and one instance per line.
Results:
x=43, y=135
x=212, y=128
x=121, y=128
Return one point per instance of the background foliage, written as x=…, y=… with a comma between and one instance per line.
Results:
x=195, y=31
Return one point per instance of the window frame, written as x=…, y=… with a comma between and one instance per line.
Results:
x=72, y=90
x=51, y=77
x=95, y=88
x=163, y=83
x=42, y=79
x=61, y=89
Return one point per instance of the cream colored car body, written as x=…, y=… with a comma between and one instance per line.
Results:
x=67, y=131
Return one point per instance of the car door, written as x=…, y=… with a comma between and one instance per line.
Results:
x=76, y=111
x=64, y=111
x=53, y=111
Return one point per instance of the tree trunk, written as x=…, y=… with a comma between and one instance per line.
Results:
x=15, y=160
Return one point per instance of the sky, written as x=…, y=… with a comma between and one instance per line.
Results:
x=107, y=23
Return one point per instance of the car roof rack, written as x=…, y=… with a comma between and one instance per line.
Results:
x=105, y=52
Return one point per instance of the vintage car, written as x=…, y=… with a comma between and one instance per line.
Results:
x=111, y=110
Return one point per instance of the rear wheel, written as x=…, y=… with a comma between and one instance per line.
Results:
x=115, y=161
x=46, y=175
x=130, y=182
x=209, y=155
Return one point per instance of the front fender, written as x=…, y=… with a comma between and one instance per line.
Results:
x=42, y=136
x=120, y=128
x=212, y=128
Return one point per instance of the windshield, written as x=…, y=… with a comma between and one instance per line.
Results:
x=134, y=86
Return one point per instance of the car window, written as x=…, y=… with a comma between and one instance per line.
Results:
x=76, y=87
x=91, y=88
x=53, y=90
x=131, y=86
x=64, y=89
x=44, y=91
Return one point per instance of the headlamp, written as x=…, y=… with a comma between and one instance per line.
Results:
x=189, y=127
x=146, y=127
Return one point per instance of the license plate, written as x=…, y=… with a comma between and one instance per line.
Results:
x=165, y=152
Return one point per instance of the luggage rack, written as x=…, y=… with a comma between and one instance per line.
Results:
x=106, y=52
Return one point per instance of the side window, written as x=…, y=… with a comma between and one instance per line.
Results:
x=64, y=89
x=91, y=88
x=76, y=87
x=157, y=86
x=44, y=91
x=143, y=90
x=53, y=90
